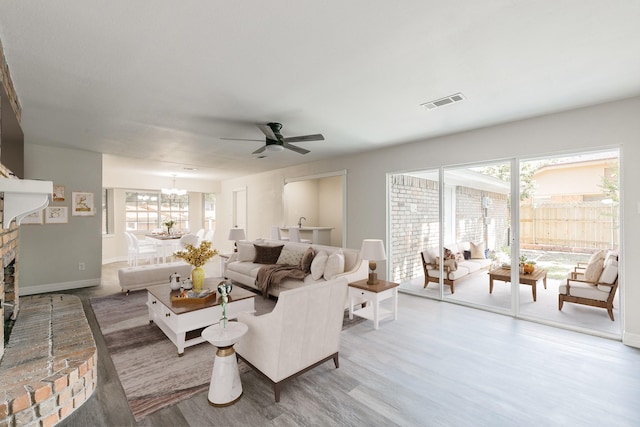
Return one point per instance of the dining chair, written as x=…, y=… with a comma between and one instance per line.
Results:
x=188, y=239
x=148, y=251
x=208, y=236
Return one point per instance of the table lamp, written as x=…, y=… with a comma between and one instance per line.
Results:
x=236, y=234
x=373, y=250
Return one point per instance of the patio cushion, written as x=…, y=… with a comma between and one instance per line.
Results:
x=477, y=250
x=471, y=266
x=453, y=275
x=585, y=290
x=609, y=275
x=594, y=270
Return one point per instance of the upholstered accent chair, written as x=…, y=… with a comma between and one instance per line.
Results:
x=593, y=283
x=302, y=332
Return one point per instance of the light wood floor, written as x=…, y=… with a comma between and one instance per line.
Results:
x=439, y=364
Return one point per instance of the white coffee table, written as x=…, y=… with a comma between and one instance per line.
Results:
x=176, y=320
x=225, y=388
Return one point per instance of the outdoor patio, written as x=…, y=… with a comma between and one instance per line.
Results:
x=475, y=290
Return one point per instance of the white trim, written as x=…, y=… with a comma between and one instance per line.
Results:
x=318, y=176
x=113, y=259
x=55, y=287
x=632, y=340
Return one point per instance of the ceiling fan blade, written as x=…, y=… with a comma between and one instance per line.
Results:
x=260, y=150
x=294, y=148
x=267, y=131
x=303, y=138
x=241, y=139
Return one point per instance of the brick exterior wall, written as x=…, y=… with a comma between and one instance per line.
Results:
x=414, y=224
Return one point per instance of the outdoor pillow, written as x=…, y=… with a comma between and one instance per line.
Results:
x=594, y=270
x=318, y=264
x=467, y=254
x=335, y=265
x=609, y=275
x=598, y=255
x=267, y=254
x=477, y=250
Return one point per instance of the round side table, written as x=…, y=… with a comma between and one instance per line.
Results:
x=225, y=388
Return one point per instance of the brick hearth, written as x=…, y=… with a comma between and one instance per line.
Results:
x=50, y=363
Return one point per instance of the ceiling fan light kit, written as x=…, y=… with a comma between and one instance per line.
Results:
x=274, y=141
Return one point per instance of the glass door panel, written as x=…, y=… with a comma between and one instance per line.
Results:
x=476, y=234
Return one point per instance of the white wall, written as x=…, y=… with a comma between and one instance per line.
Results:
x=614, y=124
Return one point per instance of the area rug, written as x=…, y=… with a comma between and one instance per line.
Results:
x=143, y=356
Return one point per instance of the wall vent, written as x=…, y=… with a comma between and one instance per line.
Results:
x=447, y=100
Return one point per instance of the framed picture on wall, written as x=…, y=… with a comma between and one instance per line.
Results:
x=58, y=193
x=82, y=204
x=56, y=215
x=32, y=218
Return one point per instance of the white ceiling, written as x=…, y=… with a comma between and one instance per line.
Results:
x=164, y=80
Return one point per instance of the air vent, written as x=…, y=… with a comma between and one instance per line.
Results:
x=447, y=100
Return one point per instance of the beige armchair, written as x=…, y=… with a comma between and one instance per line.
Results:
x=302, y=332
x=581, y=289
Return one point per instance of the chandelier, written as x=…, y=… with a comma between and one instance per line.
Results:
x=174, y=191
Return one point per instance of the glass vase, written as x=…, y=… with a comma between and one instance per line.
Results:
x=197, y=277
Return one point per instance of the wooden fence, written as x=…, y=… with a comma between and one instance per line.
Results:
x=569, y=226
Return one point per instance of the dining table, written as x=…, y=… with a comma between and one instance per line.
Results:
x=167, y=244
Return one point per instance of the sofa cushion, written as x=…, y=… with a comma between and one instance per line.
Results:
x=609, y=275
x=290, y=255
x=335, y=265
x=267, y=254
x=307, y=259
x=597, y=255
x=470, y=265
x=318, y=264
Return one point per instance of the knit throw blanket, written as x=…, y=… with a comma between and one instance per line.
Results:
x=270, y=275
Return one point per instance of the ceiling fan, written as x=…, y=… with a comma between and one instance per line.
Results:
x=274, y=140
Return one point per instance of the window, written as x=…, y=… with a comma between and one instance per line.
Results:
x=147, y=211
x=209, y=211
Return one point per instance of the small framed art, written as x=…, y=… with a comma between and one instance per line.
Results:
x=32, y=218
x=58, y=193
x=56, y=215
x=82, y=204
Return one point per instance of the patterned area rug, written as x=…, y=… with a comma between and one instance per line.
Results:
x=143, y=355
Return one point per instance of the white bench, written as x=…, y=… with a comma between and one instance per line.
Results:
x=143, y=276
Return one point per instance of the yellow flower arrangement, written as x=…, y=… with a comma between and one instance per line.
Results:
x=197, y=256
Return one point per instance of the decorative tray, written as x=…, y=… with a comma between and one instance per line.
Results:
x=191, y=297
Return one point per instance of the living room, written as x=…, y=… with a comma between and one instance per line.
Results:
x=49, y=255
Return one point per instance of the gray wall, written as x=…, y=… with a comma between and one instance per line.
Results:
x=50, y=253
x=608, y=125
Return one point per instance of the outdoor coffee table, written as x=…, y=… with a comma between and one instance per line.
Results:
x=177, y=319
x=531, y=279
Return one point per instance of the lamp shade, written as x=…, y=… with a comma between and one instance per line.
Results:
x=236, y=234
x=373, y=250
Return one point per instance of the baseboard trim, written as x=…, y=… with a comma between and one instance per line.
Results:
x=55, y=287
x=114, y=259
x=632, y=340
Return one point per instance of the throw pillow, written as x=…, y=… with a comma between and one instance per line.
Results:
x=267, y=254
x=448, y=254
x=477, y=250
x=246, y=252
x=450, y=265
x=467, y=254
x=594, y=270
x=598, y=255
x=290, y=255
x=307, y=259
x=335, y=265
x=318, y=264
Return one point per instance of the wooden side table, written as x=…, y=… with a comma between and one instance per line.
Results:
x=374, y=294
x=225, y=388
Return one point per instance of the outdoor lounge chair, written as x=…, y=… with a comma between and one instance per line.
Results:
x=599, y=293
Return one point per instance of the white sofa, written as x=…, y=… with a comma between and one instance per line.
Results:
x=241, y=268
x=302, y=331
x=454, y=272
